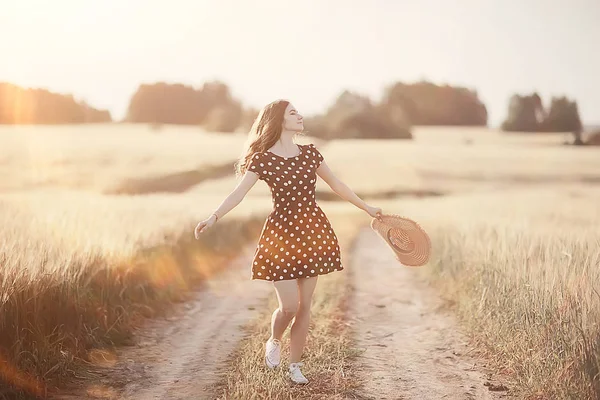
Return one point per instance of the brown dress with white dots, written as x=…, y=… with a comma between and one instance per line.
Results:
x=297, y=240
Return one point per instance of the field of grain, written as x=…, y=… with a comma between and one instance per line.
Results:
x=97, y=227
x=99, y=157
x=521, y=269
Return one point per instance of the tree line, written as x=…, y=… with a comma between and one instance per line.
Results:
x=213, y=107
x=403, y=105
x=351, y=115
x=527, y=113
x=39, y=106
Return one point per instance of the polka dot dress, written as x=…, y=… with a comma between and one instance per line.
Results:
x=297, y=240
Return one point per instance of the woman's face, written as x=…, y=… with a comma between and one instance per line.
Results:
x=292, y=120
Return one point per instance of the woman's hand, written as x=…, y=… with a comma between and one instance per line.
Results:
x=374, y=212
x=204, y=225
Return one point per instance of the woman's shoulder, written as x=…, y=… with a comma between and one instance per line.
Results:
x=313, y=147
x=256, y=160
x=315, y=153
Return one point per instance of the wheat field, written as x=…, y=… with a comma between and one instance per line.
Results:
x=513, y=218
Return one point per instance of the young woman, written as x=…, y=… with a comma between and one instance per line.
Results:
x=297, y=243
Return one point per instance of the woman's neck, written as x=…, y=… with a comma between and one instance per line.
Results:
x=286, y=142
x=285, y=147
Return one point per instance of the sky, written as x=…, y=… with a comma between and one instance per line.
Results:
x=307, y=51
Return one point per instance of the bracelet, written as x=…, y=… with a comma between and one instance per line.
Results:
x=216, y=217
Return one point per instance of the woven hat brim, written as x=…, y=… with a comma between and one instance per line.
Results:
x=409, y=241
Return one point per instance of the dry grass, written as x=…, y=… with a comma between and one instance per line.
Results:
x=440, y=160
x=113, y=158
x=99, y=157
x=522, y=270
x=328, y=350
x=517, y=251
x=81, y=271
x=519, y=258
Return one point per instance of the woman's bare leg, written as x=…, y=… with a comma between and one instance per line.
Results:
x=287, y=294
x=306, y=288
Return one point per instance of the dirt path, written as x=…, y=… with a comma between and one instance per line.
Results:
x=181, y=357
x=412, y=349
x=192, y=349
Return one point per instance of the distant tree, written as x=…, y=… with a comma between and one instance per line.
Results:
x=355, y=116
x=165, y=103
x=524, y=114
x=224, y=118
x=315, y=125
x=527, y=114
x=210, y=106
x=215, y=94
x=373, y=124
x=563, y=116
x=347, y=105
x=39, y=106
x=93, y=115
x=577, y=141
x=540, y=112
x=425, y=103
x=397, y=118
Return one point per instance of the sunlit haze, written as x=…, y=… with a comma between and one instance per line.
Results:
x=306, y=51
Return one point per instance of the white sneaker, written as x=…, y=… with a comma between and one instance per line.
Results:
x=273, y=353
x=295, y=373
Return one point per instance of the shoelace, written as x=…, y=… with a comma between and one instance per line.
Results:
x=276, y=345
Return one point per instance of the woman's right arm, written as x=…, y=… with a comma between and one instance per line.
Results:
x=237, y=195
x=231, y=201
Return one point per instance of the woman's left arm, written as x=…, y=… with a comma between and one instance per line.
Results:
x=342, y=190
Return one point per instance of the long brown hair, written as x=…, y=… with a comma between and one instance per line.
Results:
x=265, y=132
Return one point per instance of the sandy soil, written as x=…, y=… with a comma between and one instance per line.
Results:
x=412, y=348
x=180, y=357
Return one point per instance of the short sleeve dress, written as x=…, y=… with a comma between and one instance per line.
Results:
x=297, y=240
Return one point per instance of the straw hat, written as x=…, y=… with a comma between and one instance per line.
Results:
x=409, y=241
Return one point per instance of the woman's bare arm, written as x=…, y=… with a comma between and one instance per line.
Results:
x=237, y=195
x=340, y=187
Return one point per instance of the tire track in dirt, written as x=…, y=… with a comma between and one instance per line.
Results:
x=411, y=348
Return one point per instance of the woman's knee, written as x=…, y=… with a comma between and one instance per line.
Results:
x=289, y=310
x=287, y=294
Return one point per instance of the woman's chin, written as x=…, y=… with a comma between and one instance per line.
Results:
x=295, y=128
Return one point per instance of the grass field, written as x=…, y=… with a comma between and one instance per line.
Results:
x=514, y=221
x=96, y=158
x=521, y=269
